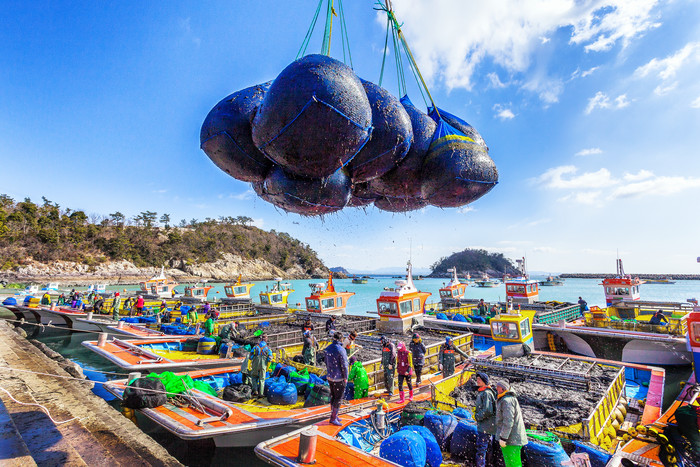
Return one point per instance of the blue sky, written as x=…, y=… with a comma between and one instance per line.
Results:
x=591, y=111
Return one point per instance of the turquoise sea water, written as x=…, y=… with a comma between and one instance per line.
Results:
x=205, y=454
x=366, y=294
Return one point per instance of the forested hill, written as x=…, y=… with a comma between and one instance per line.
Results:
x=47, y=232
x=474, y=262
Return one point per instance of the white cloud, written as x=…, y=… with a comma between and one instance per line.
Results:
x=544, y=40
x=594, y=188
x=589, y=72
x=589, y=152
x=641, y=175
x=503, y=112
x=548, y=89
x=556, y=178
x=495, y=80
x=248, y=194
x=696, y=103
x=508, y=33
x=662, y=89
x=602, y=101
x=465, y=209
x=667, y=68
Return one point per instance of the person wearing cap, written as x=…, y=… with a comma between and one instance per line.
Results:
x=307, y=326
x=659, y=319
x=418, y=350
x=337, y=366
x=139, y=304
x=309, y=349
x=388, y=363
x=446, y=357
x=404, y=367
x=510, y=429
x=582, y=307
x=115, y=306
x=260, y=357
x=485, y=416
x=350, y=347
x=330, y=325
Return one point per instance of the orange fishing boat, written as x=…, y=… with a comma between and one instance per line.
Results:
x=238, y=290
x=241, y=424
x=159, y=285
x=451, y=293
x=325, y=299
x=165, y=353
x=622, y=287
x=398, y=307
x=521, y=289
x=197, y=293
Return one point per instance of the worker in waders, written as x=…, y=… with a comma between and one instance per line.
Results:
x=446, y=357
x=46, y=299
x=115, y=306
x=309, y=349
x=192, y=315
x=404, y=367
x=510, y=429
x=485, y=416
x=358, y=376
x=418, y=350
x=338, y=372
x=209, y=327
x=388, y=363
x=260, y=358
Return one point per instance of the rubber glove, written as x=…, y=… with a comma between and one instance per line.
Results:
x=502, y=443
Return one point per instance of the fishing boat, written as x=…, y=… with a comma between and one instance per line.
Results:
x=159, y=285
x=402, y=306
x=238, y=290
x=666, y=280
x=233, y=424
x=621, y=287
x=97, y=288
x=359, y=280
x=93, y=323
x=486, y=282
x=171, y=353
x=357, y=440
x=50, y=287
x=60, y=315
x=668, y=439
x=454, y=291
x=276, y=296
x=521, y=289
x=325, y=299
x=29, y=290
x=196, y=293
x=552, y=281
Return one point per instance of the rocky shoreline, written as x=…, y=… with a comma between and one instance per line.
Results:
x=123, y=272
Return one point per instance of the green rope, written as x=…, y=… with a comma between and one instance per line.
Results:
x=386, y=46
x=326, y=46
x=344, y=30
x=309, y=33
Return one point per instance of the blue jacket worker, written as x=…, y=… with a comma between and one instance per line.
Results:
x=338, y=369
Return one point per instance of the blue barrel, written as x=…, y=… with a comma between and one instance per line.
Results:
x=206, y=346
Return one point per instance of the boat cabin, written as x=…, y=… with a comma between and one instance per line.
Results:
x=398, y=306
x=238, y=290
x=97, y=288
x=159, y=285
x=622, y=287
x=278, y=295
x=511, y=329
x=51, y=286
x=325, y=299
x=522, y=289
x=694, y=336
x=198, y=292
x=454, y=290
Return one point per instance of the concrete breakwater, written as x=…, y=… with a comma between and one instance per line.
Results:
x=86, y=431
x=584, y=275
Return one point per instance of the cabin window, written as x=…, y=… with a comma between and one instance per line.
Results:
x=199, y=292
x=239, y=290
x=311, y=304
x=504, y=329
x=455, y=293
x=339, y=302
x=405, y=307
x=327, y=303
x=276, y=298
x=264, y=299
x=445, y=293
x=227, y=290
x=510, y=288
x=416, y=304
x=525, y=328
x=386, y=307
x=695, y=333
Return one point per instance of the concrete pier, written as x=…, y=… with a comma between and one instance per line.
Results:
x=98, y=436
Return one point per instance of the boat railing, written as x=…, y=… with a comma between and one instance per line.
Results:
x=675, y=327
x=566, y=313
